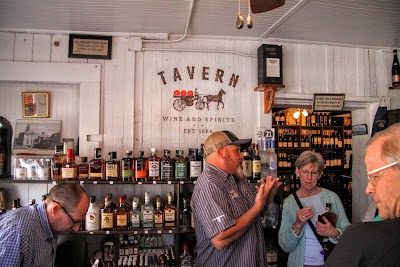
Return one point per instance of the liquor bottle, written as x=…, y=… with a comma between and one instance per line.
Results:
x=147, y=213
x=154, y=166
x=201, y=156
x=57, y=162
x=122, y=215
x=185, y=215
x=158, y=214
x=272, y=215
x=2, y=201
x=107, y=215
x=256, y=166
x=92, y=219
x=15, y=204
x=186, y=259
x=141, y=170
x=180, y=166
x=135, y=214
x=272, y=253
x=295, y=140
x=170, y=212
x=328, y=214
x=195, y=164
x=97, y=166
x=112, y=167
x=69, y=169
x=109, y=197
x=272, y=158
x=263, y=154
x=44, y=169
x=246, y=165
x=167, y=166
x=276, y=118
x=395, y=69
x=83, y=169
x=127, y=165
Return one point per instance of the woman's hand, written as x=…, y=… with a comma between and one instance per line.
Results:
x=326, y=229
x=303, y=215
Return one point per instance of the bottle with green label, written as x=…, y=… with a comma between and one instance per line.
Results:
x=180, y=166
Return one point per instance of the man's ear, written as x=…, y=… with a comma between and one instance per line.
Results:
x=55, y=208
x=220, y=152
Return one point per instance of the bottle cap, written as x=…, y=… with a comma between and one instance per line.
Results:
x=153, y=150
x=84, y=159
x=113, y=155
x=92, y=199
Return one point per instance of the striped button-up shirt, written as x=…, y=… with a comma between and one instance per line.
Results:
x=217, y=201
x=26, y=238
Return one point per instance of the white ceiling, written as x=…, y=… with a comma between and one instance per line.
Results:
x=366, y=23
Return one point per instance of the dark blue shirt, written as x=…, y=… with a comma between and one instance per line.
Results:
x=218, y=200
x=26, y=238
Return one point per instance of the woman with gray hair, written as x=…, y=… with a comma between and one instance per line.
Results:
x=296, y=236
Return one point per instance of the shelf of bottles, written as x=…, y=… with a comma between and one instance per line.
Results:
x=325, y=134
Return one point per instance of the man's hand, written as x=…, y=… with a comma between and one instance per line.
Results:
x=266, y=190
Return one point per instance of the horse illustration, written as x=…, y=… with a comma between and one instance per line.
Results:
x=215, y=98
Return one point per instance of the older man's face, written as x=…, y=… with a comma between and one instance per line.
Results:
x=386, y=188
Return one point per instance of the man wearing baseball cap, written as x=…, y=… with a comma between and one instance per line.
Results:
x=226, y=210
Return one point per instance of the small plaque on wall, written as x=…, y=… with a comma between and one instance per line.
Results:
x=328, y=102
x=270, y=64
x=89, y=46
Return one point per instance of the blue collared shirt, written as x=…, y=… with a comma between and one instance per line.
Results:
x=26, y=238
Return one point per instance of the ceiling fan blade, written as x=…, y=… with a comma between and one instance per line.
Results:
x=259, y=6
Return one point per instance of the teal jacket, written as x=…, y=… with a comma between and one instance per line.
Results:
x=295, y=245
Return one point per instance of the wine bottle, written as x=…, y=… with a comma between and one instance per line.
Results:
x=395, y=69
x=328, y=214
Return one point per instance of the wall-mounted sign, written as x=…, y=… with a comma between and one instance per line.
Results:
x=328, y=102
x=359, y=129
x=89, y=46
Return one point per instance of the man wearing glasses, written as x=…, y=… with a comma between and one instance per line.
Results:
x=28, y=235
x=376, y=243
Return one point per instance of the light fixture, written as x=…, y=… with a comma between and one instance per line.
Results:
x=304, y=112
x=296, y=114
x=240, y=20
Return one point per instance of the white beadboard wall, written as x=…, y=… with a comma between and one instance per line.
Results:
x=131, y=99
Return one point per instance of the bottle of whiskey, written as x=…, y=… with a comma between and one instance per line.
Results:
x=135, y=214
x=97, y=166
x=122, y=215
x=246, y=165
x=127, y=165
x=107, y=215
x=83, y=169
x=147, y=213
x=395, y=69
x=328, y=214
x=170, y=212
x=186, y=259
x=185, y=215
x=158, y=214
x=112, y=167
x=141, y=167
x=92, y=219
x=180, y=166
x=195, y=164
x=69, y=169
x=256, y=165
x=167, y=166
x=154, y=166
x=57, y=162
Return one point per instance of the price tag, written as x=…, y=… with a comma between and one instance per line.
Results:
x=169, y=182
x=94, y=182
x=111, y=182
x=154, y=182
x=146, y=232
x=54, y=182
x=182, y=182
x=82, y=182
x=91, y=233
x=135, y=232
x=107, y=232
x=159, y=232
x=170, y=231
x=194, y=182
x=139, y=183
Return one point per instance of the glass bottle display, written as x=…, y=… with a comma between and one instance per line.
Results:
x=147, y=213
x=154, y=165
x=92, y=219
x=167, y=166
x=135, y=214
x=180, y=166
x=107, y=215
x=57, y=162
x=122, y=215
x=112, y=167
x=141, y=167
x=328, y=214
x=83, y=169
x=170, y=212
x=395, y=69
x=186, y=259
x=185, y=215
x=127, y=165
x=97, y=166
x=246, y=165
x=256, y=165
x=158, y=214
x=69, y=169
x=195, y=164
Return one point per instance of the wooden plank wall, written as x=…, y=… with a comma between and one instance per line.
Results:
x=133, y=98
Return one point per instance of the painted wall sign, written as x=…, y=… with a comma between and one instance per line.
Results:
x=328, y=102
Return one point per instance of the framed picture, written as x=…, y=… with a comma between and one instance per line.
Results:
x=89, y=46
x=35, y=104
x=36, y=136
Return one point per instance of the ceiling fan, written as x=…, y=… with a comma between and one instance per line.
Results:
x=256, y=6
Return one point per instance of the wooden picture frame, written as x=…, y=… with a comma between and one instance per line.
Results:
x=36, y=104
x=89, y=46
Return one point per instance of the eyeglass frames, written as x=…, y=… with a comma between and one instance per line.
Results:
x=66, y=212
x=313, y=173
x=372, y=179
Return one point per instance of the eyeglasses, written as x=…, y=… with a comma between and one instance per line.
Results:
x=66, y=212
x=373, y=178
x=313, y=173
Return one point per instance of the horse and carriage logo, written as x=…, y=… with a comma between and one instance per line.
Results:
x=184, y=99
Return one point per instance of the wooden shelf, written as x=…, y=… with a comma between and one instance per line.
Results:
x=267, y=89
x=394, y=87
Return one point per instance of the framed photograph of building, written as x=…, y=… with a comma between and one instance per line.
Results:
x=35, y=104
x=37, y=137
